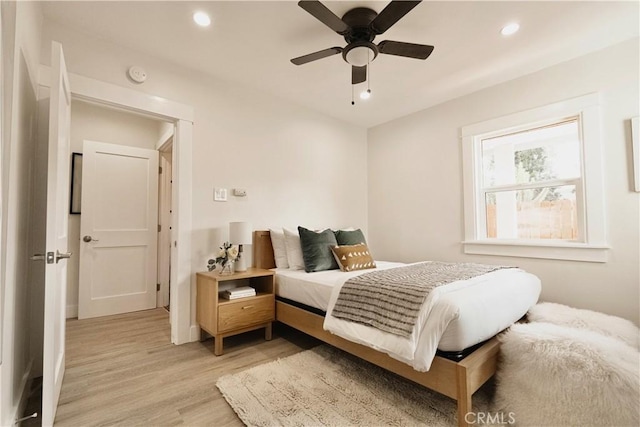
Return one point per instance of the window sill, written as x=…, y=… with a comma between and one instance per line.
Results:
x=565, y=251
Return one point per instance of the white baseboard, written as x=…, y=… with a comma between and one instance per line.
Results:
x=194, y=333
x=72, y=311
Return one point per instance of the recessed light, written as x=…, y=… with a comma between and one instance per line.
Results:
x=365, y=94
x=507, y=30
x=202, y=19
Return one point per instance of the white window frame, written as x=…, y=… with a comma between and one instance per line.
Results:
x=592, y=245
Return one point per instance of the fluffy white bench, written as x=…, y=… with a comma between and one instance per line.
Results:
x=570, y=367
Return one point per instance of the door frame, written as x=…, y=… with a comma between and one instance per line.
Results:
x=183, y=328
x=164, y=234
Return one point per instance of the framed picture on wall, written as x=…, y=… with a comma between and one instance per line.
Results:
x=635, y=137
x=76, y=183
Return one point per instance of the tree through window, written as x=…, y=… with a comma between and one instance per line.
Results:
x=530, y=179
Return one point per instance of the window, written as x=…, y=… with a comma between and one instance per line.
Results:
x=530, y=181
x=526, y=177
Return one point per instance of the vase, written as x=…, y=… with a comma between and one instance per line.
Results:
x=227, y=268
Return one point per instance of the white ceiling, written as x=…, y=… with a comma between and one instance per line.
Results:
x=251, y=42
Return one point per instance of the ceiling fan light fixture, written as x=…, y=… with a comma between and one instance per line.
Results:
x=359, y=26
x=202, y=19
x=359, y=56
x=510, y=29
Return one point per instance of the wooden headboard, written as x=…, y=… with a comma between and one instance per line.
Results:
x=263, y=250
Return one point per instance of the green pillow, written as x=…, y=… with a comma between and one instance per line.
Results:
x=350, y=237
x=316, y=250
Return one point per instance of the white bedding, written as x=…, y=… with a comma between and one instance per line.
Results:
x=454, y=317
x=314, y=289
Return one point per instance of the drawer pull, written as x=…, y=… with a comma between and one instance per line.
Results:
x=247, y=306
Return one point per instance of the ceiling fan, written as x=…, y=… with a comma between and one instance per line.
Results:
x=359, y=27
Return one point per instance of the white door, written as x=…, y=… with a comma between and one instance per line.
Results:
x=55, y=293
x=118, y=230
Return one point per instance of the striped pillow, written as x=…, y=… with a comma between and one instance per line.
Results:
x=353, y=257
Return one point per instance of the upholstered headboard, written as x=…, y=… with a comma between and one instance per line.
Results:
x=263, y=250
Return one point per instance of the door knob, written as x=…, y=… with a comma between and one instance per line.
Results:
x=88, y=239
x=60, y=255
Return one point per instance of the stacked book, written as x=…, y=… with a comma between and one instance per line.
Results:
x=240, y=292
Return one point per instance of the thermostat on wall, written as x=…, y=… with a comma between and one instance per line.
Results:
x=137, y=74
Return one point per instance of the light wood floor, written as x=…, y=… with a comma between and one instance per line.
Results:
x=123, y=370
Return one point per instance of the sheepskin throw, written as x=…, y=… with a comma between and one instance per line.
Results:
x=605, y=324
x=557, y=375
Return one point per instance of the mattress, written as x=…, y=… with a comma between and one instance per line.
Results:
x=480, y=311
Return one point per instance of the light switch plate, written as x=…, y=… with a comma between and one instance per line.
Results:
x=220, y=194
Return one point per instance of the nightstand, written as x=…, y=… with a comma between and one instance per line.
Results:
x=222, y=317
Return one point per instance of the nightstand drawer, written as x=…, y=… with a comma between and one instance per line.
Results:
x=246, y=312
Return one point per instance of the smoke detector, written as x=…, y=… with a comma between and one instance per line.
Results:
x=137, y=74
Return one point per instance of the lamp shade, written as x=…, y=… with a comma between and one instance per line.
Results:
x=240, y=233
x=359, y=56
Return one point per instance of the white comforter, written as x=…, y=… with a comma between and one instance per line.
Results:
x=419, y=349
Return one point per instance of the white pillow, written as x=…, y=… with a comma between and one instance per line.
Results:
x=294, y=249
x=279, y=248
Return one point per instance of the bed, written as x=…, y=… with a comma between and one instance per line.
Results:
x=459, y=368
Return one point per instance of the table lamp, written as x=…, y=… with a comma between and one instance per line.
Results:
x=240, y=234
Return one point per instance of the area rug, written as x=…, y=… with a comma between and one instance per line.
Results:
x=327, y=387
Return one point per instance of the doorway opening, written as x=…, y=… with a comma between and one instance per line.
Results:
x=115, y=227
x=181, y=116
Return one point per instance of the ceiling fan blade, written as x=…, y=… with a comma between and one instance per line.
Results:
x=391, y=14
x=358, y=74
x=316, y=55
x=324, y=15
x=409, y=50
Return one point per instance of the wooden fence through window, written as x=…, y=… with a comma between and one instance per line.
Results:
x=548, y=219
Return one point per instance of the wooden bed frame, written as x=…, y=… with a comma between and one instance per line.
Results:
x=457, y=380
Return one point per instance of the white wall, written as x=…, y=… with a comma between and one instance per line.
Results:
x=17, y=164
x=298, y=166
x=415, y=179
x=96, y=123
